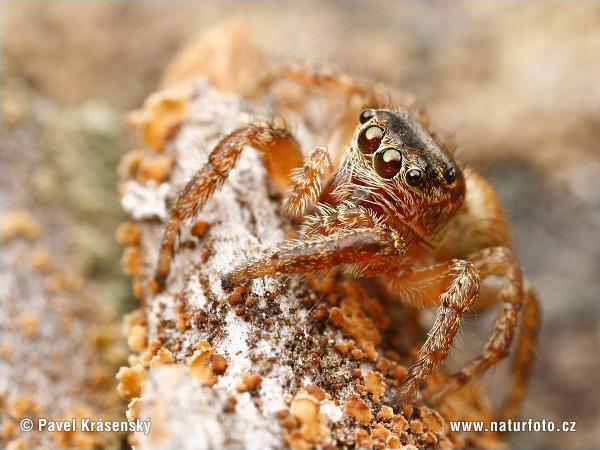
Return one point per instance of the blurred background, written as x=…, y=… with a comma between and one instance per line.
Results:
x=516, y=84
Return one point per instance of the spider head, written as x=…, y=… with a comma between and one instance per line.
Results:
x=413, y=178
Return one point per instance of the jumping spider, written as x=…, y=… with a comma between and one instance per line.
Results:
x=399, y=207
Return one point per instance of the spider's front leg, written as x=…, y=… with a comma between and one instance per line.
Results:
x=515, y=295
x=281, y=154
x=358, y=248
x=306, y=183
x=456, y=285
x=423, y=288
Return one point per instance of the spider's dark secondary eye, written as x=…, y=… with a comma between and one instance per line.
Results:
x=366, y=115
x=388, y=163
x=369, y=139
x=450, y=175
x=414, y=177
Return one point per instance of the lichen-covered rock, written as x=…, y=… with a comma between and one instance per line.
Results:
x=59, y=335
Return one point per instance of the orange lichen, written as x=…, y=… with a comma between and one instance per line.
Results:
x=162, y=114
x=290, y=423
x=250, y=382
x=130, y=320
x=29, y=324
x=374, y=382
x=137, y=338
x=133, y=360
x=8, y=429
x=362, y=438
x=236, y=297
x=131, y=261
x=137, y=287
x=162, y=357
x=385, y=413
x=22, y=405
x=64, y=323
x=320, y=312
x=128, y=234
x=416, y=426
x=342, y=347
x=383, y=365
x=393, y=442
x=157, y=169
x=380, y=433
x=399, y=423
x=322, y=285
x=218, y=364
x=357, y=353
x=182, y=317
x=133, y=409
x=40, y=259
x=316, y=392
x=101, y=337
x=152, y=284
x=304, y=425
x=100, y=377
x=351, y=317
x=398, y=372
x=131, y=381
x=199, y=228
x=305, y=408
x=203, y=366
x=151, y=350
x=392, y=431
x=63, y=282
x=18, y=223
x=130, y=164
x=131, y=440
x=428, y=439
x=432, y=421
x=16, y=444
x=78, y=438
x=356, y=408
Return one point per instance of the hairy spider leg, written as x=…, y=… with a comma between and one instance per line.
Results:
x=320, y=74
x=344, y=217
x=523, y=359
x=306, y=183
x=456, y=285
x=500, y=261
x=330, y=222
x=281, y=154
x=354, y=247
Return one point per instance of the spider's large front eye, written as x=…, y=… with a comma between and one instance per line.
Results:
x=388, y=163
x=369, y=139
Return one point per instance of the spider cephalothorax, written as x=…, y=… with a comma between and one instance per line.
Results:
x=396, y=168
x=398, y=208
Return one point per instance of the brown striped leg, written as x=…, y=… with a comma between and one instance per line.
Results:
x=280, y=152
x=498, y=261
x=523, y=358
x=306, y=183
x=352, y=247
x=321, y=75
x=458, y=281
x=329, y=221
